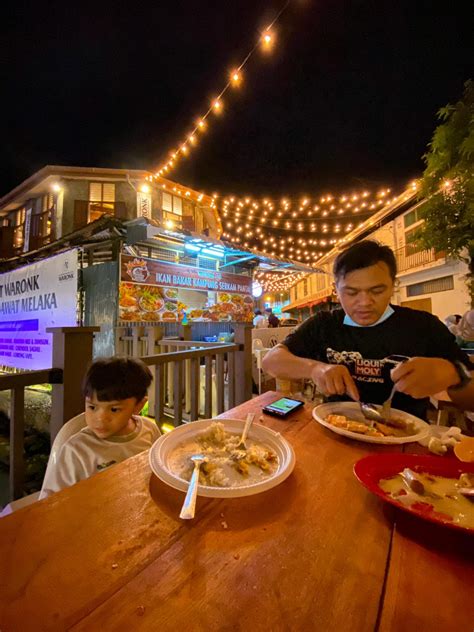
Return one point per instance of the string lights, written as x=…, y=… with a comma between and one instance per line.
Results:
x=275, y=282
x=183, y=148
x=301, y=229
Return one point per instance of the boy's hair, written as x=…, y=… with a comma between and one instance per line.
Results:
x=362, y=255
x=112, y=379
x=258, y=312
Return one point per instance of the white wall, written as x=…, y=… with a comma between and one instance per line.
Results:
x=455, y=301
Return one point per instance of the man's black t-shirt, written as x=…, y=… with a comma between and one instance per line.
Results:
x=366, y=351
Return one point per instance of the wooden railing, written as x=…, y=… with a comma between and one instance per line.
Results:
x=72, y=351
x=16, y=384
x=408, y=259
x=178, y=378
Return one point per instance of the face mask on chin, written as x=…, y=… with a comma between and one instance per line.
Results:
x=387, y=313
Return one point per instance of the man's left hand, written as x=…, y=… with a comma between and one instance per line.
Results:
x=422, y=377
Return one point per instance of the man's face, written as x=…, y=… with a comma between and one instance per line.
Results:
x=365, y=293
x=111, y=418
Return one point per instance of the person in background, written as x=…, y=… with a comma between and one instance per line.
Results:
x=273, y=321
x=361, y=350
x=452, y=321
x=464, y=331
x=259, y=320
x=115, y=391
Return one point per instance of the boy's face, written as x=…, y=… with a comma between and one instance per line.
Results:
x=111, y=418
x=365, y=293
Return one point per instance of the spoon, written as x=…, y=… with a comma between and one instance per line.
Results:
x=189, y=506
x=371, y=413
x=248, y=423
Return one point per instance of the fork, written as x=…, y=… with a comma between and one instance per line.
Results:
x=371, y=413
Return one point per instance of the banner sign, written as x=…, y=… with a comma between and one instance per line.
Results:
x=26, y=240
x=33, y=298
x=143, y=204
x=153, y=272
x=152, y=290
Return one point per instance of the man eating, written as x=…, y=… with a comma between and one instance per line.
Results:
x=361, y=350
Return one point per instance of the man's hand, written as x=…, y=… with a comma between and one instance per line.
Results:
x=422, y=377
x=334, y=379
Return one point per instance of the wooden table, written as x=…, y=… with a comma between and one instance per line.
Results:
x=318, y=552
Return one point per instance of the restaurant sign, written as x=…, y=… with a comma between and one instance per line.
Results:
x=154, y=272
x=33, y=298
x=152, y=290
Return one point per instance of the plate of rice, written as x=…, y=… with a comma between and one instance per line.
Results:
x=229, y=472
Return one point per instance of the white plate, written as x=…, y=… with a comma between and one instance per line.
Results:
x=352, y=410
x=165, y=445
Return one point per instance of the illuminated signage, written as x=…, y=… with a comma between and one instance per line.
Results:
x=33, y=298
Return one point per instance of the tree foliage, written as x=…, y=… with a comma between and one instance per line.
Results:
x=447, y=185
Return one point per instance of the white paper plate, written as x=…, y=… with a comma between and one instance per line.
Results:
x=164, y=446
x=352, y=410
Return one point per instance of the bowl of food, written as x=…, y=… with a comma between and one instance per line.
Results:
x=150, y=303
x=228, y=472
x=434, y=488
x=171, y=293
x=347, y=420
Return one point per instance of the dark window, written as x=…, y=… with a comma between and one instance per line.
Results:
x=429, y=287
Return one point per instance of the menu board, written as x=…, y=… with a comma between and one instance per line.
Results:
x=154, y=291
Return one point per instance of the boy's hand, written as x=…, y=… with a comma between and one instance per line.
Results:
x=334, y=379
x=422, y=377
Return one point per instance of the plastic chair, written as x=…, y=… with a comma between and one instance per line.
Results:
x=258, y=351
x=70, y=428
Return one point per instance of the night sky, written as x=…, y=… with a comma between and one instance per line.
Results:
x=347, y=99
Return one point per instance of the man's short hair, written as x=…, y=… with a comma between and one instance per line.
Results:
x=362, y=255
x=115, y=378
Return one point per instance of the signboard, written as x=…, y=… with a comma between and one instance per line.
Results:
x=26, y=241
x=153, y=272
x=152, y=290
x=33, y=298
x=143, y=204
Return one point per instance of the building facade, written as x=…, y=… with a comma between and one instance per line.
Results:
x=57, y=200
x=427, y=280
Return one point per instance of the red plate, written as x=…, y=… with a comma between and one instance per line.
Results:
x=371, y=469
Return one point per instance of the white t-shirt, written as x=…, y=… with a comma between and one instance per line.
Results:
x=260, y=321
x=84, y=454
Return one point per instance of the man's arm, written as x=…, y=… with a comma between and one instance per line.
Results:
x=423, y=377
x=331, y=379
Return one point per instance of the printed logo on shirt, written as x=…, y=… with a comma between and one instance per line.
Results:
x=363, y=369
x=102, y=466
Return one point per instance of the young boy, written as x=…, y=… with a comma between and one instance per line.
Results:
x=115, y=390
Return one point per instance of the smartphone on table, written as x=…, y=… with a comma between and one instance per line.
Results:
x=282, y=407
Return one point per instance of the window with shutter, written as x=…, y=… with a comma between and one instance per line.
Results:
x=108, y=192
x=167, y=202
x=177, y=205
x=95, y=191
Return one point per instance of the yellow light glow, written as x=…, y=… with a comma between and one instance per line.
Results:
x=56, y=188
x=267, y=39
x=145, y=188
x=217, y=105
x=235, y=77
x=169, y=223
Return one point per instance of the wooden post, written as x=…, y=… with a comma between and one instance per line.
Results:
x=153, y=334
x=243, y=362
x=17, y=429
x=72, y=352
x=185, y=332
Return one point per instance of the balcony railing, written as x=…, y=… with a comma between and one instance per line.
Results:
x=407, y=259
